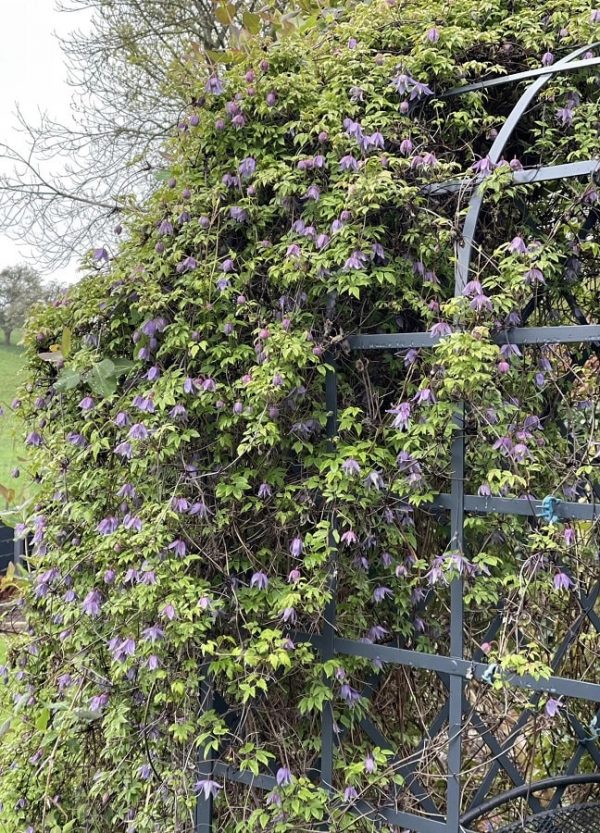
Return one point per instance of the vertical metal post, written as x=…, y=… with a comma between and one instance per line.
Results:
x=328, y=632
x=204, y=806
x=18, y=550
x=456, y=628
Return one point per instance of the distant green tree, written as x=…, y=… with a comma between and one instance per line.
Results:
x=20, y=288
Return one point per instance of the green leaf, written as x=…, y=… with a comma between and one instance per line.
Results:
x=225, y=13
x=67, y=380
x=122, y=366
x=43, y=720
x=102, y=379
x=252, y=22
x=67, y=342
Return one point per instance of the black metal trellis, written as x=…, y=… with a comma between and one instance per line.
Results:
x=454, y=669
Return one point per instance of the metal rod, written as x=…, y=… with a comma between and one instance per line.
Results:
x=520, y=792
x=543, y=173
x=581, y=689
x=455, y=712
x=465, y=251
x=524, y=76
x=567, y=334
x=565, y=510
x=328, y=630
x=205, y=765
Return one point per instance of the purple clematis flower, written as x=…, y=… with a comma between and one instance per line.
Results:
x=381, y=593
x=165, y=228
x=237, y=214
x=534, y=276
x=264, y=491
x=348, y=163
x=169, y=612
x=483, y=165
x=349, y=695
x=441, y=329
x=76, y=439
x=92, y=603
x=125, y=450
x=401, y=415
x=100, y=254
x=108, y=525
x=370, y=765
x=350, y=466
x=132, y=522
x=153, y=634
x=283, y=777
x=247, y=167
x=565, y=116
x=209, y=787
x=562, y=581
x=356, y=260
x=552, y=707
x=423, y=396
x=480, y=303
x=188, y=264
x=87, y=403
x=296, y=547
x=375, y=480
x=179, y=547
x=259, y=580
x=419, y=90
x=138, y=432
x=350, y=795
x=214, y=85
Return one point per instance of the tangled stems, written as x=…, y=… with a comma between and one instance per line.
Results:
x=183, y=521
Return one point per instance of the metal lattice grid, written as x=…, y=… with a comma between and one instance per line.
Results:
x=454, y=670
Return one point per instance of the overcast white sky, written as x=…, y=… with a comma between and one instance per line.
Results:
x=32, y=74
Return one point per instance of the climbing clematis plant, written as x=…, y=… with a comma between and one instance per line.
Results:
x=192, y=496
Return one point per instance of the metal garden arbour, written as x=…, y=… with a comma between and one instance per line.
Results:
x=455, y=669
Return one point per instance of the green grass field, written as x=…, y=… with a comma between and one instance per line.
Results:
x=11, y=448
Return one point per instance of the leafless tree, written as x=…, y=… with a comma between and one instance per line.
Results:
x=127, y=69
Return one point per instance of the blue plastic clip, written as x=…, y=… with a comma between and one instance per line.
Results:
x=489, y=673
x=547, y=509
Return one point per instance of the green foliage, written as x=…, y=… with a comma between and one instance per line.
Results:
x=193, y=505
x=11, y=447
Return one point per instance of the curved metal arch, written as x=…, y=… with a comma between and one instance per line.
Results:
x=465, y=253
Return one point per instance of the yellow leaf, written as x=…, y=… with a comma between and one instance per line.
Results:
x=67, y=341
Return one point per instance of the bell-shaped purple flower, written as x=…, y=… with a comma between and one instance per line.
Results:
x=92, y=603
x=283, y=777
x=188, y=264
x=214, y=85
x=247, y=167
x=259, y=580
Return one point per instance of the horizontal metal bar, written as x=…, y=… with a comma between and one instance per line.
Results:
x=581, y=689
x=421, y=824
x=550, y=172
x=522, y=76
x=568, y=334
x=544, y=173
x=521, y=506
x=398, y=818
x=230, y=773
